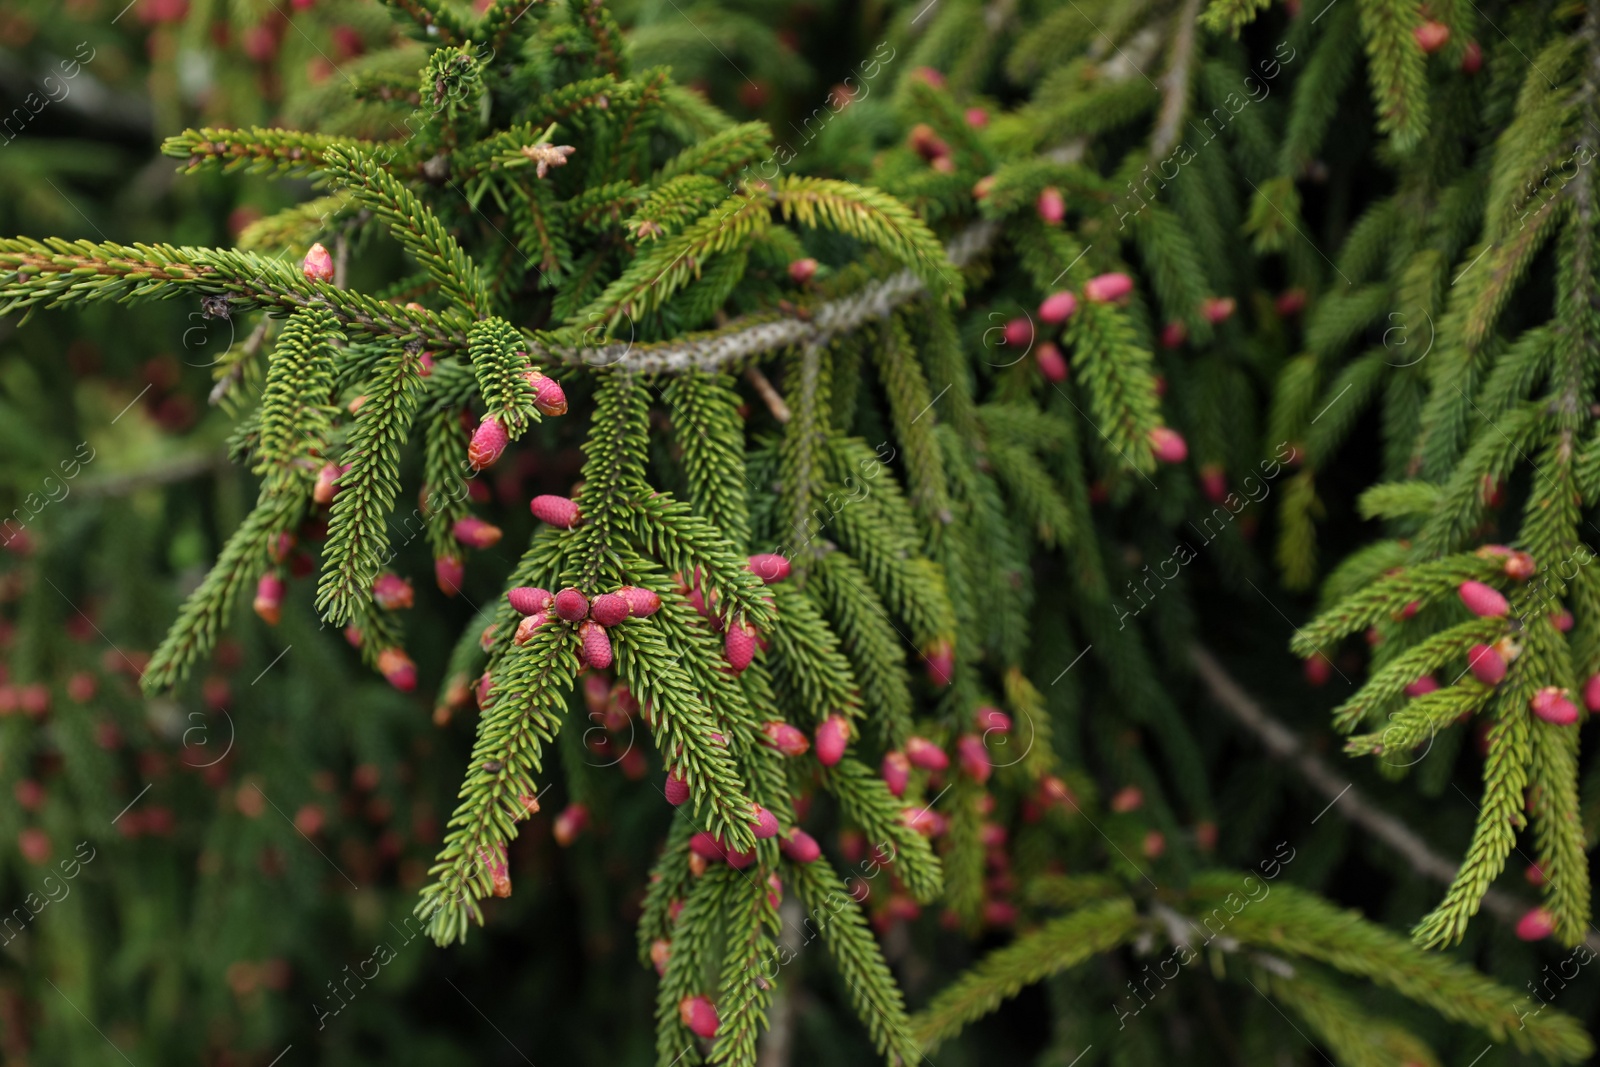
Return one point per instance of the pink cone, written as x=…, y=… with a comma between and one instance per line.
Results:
x=392, y=592
x=925, y=755
x=448, y=572
x=489, y=440
x=526, y=628
x=1486, y=664
x=677, y=790
x=1173, y=334
x=1218, y=309
x=572, y=821
x=1057, y=308
x=699, y=1015
x=739, y=645
x=801, y=270
x=896, y=773
x=555, y=510
x=596, y=645
x=1482, y=600
x=1052, y=207
x=992, y=720
x=529, y=599
x=1591, y=693
x=571, y=605
x=765, y=825
x=318, y=264
x=787, y=739
x=1052, y=364
x=832, y=737
x=1536, y=925
x=1551, y=705
x=548, y=396
x=769, y=567
x=475, y=533
x=397, y=669
x=941, y=662
x=641, y=602
x=973, y=758
x=1422, y=686
x=269, y=599
x=1018, y=332
x=1168, y=445
x=609, y=609
x=800, y=846
x=1104, y=288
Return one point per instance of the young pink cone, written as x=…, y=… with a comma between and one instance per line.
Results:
x=596, y=645
x=1214, y=483
x=530, y=599
x=896, y=773
x=1537, y=925
x=558, y=511
x=924, y=821
x=327, y=483
x=677, y=789
x=1520, y=565
x=1422, y=686
x=1105, y=288
x=1057, y=308
x=1472, y=59
x=495, y=861
x=739, y=645
x=801, y=270
x=318, y=264
x=1487, y=665
x=548, y=396
x=1562, y=620
x=489, y=440
x=571, y=605
x=941, y=662
x=766, y=824
x=269, y=599
x=1052, y=207
x=609, y=609
x=799, y=846
x=925, y=755
x=1551, y=705
x=991, y=720
x=787, y=739
x=1018, y=332
x=397, y=669
x=660, y=953
x=769, y=567
x=527, y=626
x=475, y=533
x=1482, y=600
x=1431, y=36
x=1173, y=334
x=392, y=592
x=448, y=572
x=572, y=821
x=642, y=603
x=1591, y=693
x=973, y=758
x=1218, y=309
x=699, y=1015
x=1052, y=364
x=1168, y=445
x=832, y=737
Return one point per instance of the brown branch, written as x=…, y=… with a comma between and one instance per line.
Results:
x=1175, y=84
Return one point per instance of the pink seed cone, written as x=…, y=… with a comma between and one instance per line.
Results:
x=558, y=511
x=397, y=669
x=1173, y=334
x=641, y=602
x=1562, y=620
x=973, y=758
x=318, y=264
x=1551, y=705
x=1052, y=207
x=1482, y=600
x=801, y=270
x=677, y=790
x=925, y=755
x=548, y=396
x=596, y=645
x=924, y=821
x=327, y=484
x=941, y=662
x=1591, y=693
x=1018, y=332
x=769, y=567
x=1422, y=686
x=1052, y=364
x=1214, y=483
x=1317, y=669
x=1520, y=566
x=1487, y=665
x=896, y=771
x=609, y=609
x=800, y=846
x=1431, y=36
x=706, y=846
x=392, y=592
x=1218, y=309
x=489, y=440
x=475, y=533
x=1104, y=288
x=832, y=737
x=1057, y=308
x=1168, y=445
x=660, y=953
x=1537, y=925
x=449, y=572
x=269, y=599
x=992, y=720
x=529, y=599
x=765, y=825
x=739, y=645
x=699, y=1015
x=571, y=605
x=526, y=628
x=494, y=860
x=572, y=821
x=786, y=739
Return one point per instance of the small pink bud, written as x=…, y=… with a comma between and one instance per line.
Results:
x=1105, y=288
x=556, y=511
x=571, y=605
x=896, y=773
x=1486, y=664
x=318, y=264
x=526, y=628
x=992, y=720
x=677, y=789
x=1482, y=600
x=1317, y=669
x=1128, y=798
x=425, y=365
x=1431, y=36
x=1218, y=309
x=475, y=533
x=1173, y=334
x=1290, y=302
x=1591, y=693
x=801, y=270
x=1537, y=925
x=327, y=484
x=1168, y=445
x=699, y=1015
x=269, y=599
x=448, y=572
x=924, y=821
x=1561, y=620
x=977, y=118
x=596, y=645
x=1214, y=482
x=609, y=609
x=548, y=396
x=1018, y=332
x=392, y=592
x=739, y=645
x=832, y=737
x=572, y=821
x=1535, y=875
x=489, y=440
x=1052, y=207
x=397, y=669
x=660, y=953
x=1422, y=686
x=494, y=860
x=765, y=825
x=786, y=739
x=1472, y=59
x=800, y=846
x=940, y=658
x=925, y=755
x=1551, y=705
x=529, y=599
x=1052, y=364
x=973, y=758
x=1058, y=308
x=642, y=603
x=769, y=567
x=1520, y=566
